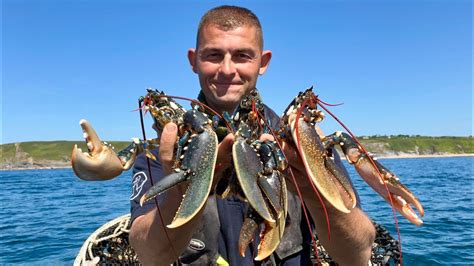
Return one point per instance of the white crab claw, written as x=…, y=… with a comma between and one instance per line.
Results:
x=100, y=163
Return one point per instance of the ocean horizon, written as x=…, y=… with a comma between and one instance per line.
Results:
x=47, y=214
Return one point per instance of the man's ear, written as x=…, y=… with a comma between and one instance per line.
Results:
x=266, y=56
x=192, y=59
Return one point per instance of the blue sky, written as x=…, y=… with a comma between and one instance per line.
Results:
x=399, y=67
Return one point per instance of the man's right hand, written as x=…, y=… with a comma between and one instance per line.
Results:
x=168, y=139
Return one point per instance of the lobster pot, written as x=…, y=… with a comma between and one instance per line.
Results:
x=384, y=250
x=108, y=245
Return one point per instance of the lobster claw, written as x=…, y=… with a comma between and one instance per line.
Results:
x=197, y=167
x=397, y=193
x=270, y=238
x=384, y=182
x=322, y=170
x=273, y=185
x=248, y=167
x=100, y=163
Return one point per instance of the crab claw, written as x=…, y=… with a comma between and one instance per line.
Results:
x=100, y=163
x=398, y=195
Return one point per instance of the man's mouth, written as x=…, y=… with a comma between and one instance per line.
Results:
x=225, y=83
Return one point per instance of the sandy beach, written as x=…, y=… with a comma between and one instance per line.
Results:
x=64, y=165
x=414, y=156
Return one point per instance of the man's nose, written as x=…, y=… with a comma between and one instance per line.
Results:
x=227, y=66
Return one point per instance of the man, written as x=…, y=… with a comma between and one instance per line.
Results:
x=228, y=59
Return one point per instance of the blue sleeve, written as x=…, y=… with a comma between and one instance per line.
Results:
x=143, y=179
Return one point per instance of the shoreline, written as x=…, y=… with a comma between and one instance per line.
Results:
x=400, y=156
x=416, y=156
x=35, y=168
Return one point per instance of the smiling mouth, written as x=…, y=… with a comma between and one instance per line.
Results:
x=226, y=83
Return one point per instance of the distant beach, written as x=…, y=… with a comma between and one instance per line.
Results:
x=406, y=156
x=66, y=165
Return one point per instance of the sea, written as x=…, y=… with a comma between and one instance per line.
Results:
x=47, y=214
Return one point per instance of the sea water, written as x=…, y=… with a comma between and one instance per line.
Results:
x=47, y=214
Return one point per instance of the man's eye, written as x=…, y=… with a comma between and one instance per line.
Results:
x=213, y=55
x=245, y=56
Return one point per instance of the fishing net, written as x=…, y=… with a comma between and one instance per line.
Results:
x=109, y=245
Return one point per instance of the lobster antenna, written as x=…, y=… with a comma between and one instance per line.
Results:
x=378, y=172
x=151, y=180
x=201, y=104
x=305, y=212
x=329, y=104
x=259, y=116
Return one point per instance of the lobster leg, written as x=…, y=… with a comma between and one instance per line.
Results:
x=248, y=230
x=315, y=159
x=399, y=194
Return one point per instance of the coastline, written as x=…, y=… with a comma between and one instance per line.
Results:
x=34, y=168
x=415, y=156
x=386, y=156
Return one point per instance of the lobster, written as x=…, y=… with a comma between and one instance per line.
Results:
x=195, y=154
x=259, y=165
x=298, y=126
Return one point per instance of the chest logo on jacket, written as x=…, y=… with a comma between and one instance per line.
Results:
x=139, y=180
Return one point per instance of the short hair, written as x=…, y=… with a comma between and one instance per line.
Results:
x=228, y=18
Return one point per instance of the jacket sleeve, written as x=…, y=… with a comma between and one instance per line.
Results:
x=142, y=180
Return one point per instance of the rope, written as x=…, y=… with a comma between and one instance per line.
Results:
x=108, y=245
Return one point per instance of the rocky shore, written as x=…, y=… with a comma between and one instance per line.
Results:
x=47, y=164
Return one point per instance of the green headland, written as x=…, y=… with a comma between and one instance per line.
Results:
x=56, y=154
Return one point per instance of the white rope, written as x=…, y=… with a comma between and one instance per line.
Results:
x=120, y=224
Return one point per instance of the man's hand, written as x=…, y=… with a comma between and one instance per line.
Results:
x=224, y=158
x=167, y=141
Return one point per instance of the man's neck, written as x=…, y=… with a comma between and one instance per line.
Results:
x=218, y=109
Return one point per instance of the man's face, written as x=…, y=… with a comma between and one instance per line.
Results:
x=228, y=64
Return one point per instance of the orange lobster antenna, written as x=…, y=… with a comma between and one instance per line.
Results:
x=201, y=104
